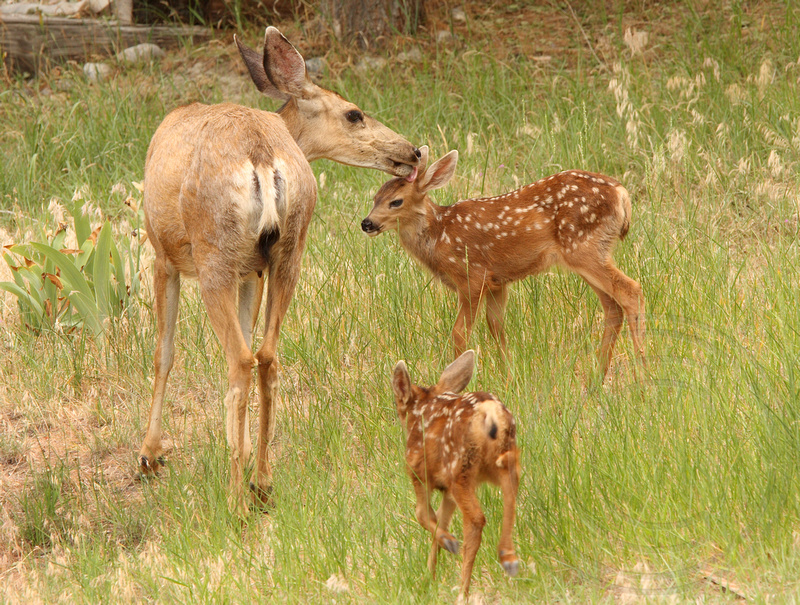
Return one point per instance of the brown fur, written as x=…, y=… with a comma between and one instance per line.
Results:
x=228, y=196
x=478, y=247
x=454, y=443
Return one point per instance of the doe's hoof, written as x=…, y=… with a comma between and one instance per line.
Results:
x=262, y=497
x=151, y=466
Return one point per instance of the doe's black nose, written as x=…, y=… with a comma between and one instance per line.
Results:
x=417, y=153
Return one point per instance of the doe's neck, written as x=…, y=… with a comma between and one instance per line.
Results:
x=297, y=127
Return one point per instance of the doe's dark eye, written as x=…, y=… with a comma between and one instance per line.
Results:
x=395, y=203
x=354, y=116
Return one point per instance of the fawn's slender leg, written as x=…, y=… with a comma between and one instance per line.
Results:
x=467, y=500
x=167, y=287
x=605, y=276
x=444, y=515
x=427, y=518
x=509, y=484
x=496, y=301
x=469, y=305
x=614, y=316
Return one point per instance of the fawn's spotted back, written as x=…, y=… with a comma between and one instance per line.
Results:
x=450, y=435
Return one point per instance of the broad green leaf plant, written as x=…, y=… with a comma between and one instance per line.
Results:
x=69, y=289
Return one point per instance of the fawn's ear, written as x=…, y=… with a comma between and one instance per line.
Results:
x=401, y=384
x=423, y=158
x=457, y=375
x=440, y=172
x=419, y=169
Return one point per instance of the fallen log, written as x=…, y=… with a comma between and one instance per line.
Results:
x=29, y=42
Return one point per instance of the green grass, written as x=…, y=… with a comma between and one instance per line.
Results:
x=652, y=488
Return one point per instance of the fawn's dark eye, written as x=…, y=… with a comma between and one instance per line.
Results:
x=354, y=116
x=395, y=203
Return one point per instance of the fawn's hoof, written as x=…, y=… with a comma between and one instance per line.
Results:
x=511, y=567
x=450, y=544
x=508, y=559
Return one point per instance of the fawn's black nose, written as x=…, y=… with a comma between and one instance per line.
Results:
x=367, y=226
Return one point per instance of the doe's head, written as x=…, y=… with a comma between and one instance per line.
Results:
x=400, y=199
x=325, y=124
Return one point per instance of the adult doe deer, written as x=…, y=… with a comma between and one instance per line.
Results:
x=454, y=443
x=228, y=196
x=478, y=247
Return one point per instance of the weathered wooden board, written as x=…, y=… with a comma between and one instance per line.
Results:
x=29, y=41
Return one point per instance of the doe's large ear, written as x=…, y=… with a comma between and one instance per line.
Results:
x=254, y=61
x=283, y=65
x=401, y=383
x=457, y=375
x=440, y=172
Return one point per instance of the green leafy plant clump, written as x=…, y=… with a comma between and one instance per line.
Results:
x=69, y=289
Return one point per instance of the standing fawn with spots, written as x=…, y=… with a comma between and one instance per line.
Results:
x=455, y=443
x=478, y=247
x=228, y=197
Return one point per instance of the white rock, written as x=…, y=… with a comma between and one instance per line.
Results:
x=458, y=15
x=316, y=66
x=370, y=63
x=140, y=53
x=444, y=35
x=96, y=72
x=415, y=54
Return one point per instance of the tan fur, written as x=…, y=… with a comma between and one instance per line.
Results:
x=228, y=196
x=453, y=444
x=478, y=247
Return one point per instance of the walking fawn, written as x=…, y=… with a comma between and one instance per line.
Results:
x=478, y=247
x=228, y=196
x=454, y=443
